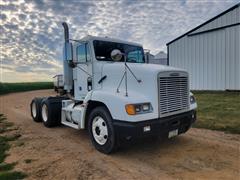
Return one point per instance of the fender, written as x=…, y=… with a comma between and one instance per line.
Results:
x=116, y=104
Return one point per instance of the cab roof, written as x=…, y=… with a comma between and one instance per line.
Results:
x=92, y=38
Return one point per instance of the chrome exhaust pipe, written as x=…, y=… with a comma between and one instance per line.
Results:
x=66, y=32
x=67, y=60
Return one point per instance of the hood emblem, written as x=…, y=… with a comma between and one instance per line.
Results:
x=174, y=74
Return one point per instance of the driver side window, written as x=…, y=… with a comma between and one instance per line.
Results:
x=83, y=54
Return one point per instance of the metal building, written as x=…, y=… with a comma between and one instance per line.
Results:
x=210, y=52
x=160, y=58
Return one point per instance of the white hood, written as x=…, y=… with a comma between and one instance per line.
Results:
x=140, y=70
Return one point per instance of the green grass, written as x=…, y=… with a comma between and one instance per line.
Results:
x=6, y=170
x=218, y=111
x=7, y=167
x=19, y=87
x=8, y=175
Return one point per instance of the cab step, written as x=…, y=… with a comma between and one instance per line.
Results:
x=70, y=124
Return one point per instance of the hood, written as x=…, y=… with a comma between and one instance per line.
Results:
x=145, y=90
x=139, y=69
x=147, y=73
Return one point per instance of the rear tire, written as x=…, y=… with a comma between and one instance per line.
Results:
x=35, y=108
x=101, y=130
x=51, y=111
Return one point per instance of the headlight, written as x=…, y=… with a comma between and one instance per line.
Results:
x=141, y=108
x=192, y=99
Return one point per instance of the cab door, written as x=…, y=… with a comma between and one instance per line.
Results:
x=83, y=71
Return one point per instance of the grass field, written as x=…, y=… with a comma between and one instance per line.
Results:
x=218, y=111
x=6, y=169
x=19, y=87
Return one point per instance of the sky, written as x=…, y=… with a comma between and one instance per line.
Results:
x=31, y=34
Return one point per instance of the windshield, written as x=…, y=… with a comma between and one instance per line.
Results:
x=103, y=51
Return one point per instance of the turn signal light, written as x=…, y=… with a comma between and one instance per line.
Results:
x=130, y=109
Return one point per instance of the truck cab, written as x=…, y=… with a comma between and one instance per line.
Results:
x=114, y=94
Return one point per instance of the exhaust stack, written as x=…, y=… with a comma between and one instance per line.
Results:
x=67, y=60
x=66, y=32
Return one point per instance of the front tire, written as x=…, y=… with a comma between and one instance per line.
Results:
x=101, y=130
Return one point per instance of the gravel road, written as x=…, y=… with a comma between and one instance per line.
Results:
x=65, y=153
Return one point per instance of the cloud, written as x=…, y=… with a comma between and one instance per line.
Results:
x=32, y=36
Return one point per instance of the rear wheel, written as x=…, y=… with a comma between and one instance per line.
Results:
x=51, y=111
x=45, y=113
x=101, y=130
x=35, y=108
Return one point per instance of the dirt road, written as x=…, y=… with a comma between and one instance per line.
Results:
x=64, y=153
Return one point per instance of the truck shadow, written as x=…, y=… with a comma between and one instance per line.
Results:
x=143, y=146
x=152, y=145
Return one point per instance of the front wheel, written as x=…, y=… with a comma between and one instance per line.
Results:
x=101, y=130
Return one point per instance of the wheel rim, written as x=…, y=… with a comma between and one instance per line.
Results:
x=99, y=130
x=34, y=109
x=44, y=113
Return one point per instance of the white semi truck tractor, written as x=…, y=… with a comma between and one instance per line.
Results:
x=114, y=94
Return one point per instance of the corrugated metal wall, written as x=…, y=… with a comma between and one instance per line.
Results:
x=212, y=58
x=231, y=17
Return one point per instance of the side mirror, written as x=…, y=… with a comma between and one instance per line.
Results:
x=116, y=55
x=82, y=53
x=68, y=51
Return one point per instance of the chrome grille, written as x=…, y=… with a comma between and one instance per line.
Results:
x=173, y=94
